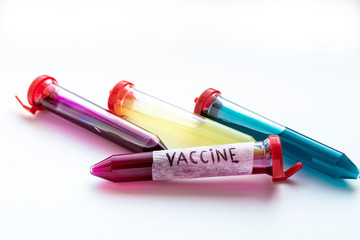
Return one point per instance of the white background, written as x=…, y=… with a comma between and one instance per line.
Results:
x=295, y=62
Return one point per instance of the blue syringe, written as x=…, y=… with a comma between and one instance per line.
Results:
x=296, y=146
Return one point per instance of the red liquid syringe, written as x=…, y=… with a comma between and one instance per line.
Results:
x=210, y=161
x=45, y=94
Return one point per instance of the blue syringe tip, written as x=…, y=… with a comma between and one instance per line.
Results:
x=346, y=168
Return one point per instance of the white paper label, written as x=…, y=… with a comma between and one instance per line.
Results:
x=209, y=161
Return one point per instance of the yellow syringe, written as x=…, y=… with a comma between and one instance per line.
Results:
x=176, y=127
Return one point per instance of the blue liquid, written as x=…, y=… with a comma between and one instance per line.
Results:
x=317, y=155
x=295, y=146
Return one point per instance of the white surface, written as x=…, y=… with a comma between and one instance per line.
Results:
x=296, y=62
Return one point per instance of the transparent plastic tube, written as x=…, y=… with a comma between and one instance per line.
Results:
x=45, y=94
x=176, y=127
x=222, y=160
x=296, y=146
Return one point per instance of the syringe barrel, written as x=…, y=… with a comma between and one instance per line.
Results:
x=211, y=104
x=46, y=94
x=210, y=161
x=176, y=127
x=296, y=147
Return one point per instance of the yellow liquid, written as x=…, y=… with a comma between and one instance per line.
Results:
x=178, y=128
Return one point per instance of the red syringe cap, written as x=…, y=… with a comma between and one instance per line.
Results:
x=205, y=100
x=35, y=89
x=118, y=92
x=277, y=161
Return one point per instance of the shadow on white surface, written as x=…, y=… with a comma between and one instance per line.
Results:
x=313, y=177
x=260, y=188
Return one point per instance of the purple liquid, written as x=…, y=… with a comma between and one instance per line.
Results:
x=99, y=121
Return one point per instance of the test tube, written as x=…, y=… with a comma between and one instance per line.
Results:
x=45, y=93
x=176, y=127
x=222, y=160
x=296, y=146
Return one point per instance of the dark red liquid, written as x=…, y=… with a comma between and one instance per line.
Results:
x=138, y=167
x=99, y=121
x=125, y=168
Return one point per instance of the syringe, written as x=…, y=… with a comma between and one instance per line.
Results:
x=296, y=146
x=45, y=93
x=176, y=127
x=211, y=161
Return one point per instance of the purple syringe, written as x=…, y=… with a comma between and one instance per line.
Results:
x=45, y=94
